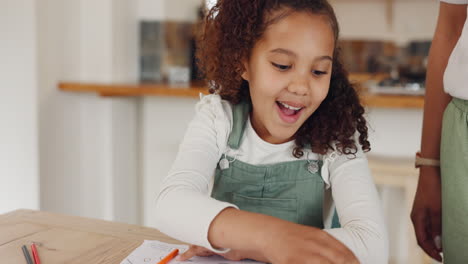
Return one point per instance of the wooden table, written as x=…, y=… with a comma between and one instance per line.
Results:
x=70, y=239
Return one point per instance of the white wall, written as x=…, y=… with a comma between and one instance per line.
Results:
x=19, y=175
x=162, y=131
x=88, y=144
x=367, y=19
x=150, y=9
x=395, y=132
x=174, y=10
x=165, y=120
x=90, y=147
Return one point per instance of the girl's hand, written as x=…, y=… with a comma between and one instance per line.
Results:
x=203, y=252
x=293, y=243
x=195, y=251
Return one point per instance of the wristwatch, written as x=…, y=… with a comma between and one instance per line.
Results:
x=420, y=161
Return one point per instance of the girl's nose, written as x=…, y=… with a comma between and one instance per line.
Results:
x=299, y=86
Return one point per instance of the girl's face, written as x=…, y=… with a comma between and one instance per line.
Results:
x=289, y=72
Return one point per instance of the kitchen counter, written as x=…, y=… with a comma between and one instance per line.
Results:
x=194, y=90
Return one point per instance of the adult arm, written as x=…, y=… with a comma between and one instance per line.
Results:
x=426, y=212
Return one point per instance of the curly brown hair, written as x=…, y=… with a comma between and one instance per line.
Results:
x=231, y=29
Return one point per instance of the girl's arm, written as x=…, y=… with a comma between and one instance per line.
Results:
x=184, y=208
x=359, y=210
x=269, y=239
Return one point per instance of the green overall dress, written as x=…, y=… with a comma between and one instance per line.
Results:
x=292, y=190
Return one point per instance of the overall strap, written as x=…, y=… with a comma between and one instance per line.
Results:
x=240, y=114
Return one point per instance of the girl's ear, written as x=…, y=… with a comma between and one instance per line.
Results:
x=245, y=75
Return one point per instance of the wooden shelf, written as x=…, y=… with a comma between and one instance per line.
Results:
x=392, y=101
x=194, y=90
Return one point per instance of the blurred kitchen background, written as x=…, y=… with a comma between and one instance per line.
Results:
x=100, y=145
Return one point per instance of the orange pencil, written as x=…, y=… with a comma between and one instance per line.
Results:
x=168, y=258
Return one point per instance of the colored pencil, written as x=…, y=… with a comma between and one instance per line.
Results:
x=169, y=257
x=35, y=254
x=26, y=255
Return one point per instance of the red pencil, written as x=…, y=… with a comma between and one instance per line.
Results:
x=35, y=254
x=169, y=257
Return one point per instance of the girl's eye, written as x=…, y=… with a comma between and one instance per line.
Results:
x=319, y=72
x=281, y=67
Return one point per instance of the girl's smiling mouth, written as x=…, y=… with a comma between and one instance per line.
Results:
x=289, y=112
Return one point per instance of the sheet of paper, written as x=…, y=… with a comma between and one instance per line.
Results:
x=152, y=251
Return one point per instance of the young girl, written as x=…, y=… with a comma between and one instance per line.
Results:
x=272, y=167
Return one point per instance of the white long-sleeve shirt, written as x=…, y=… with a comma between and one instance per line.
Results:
x=185, y=209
